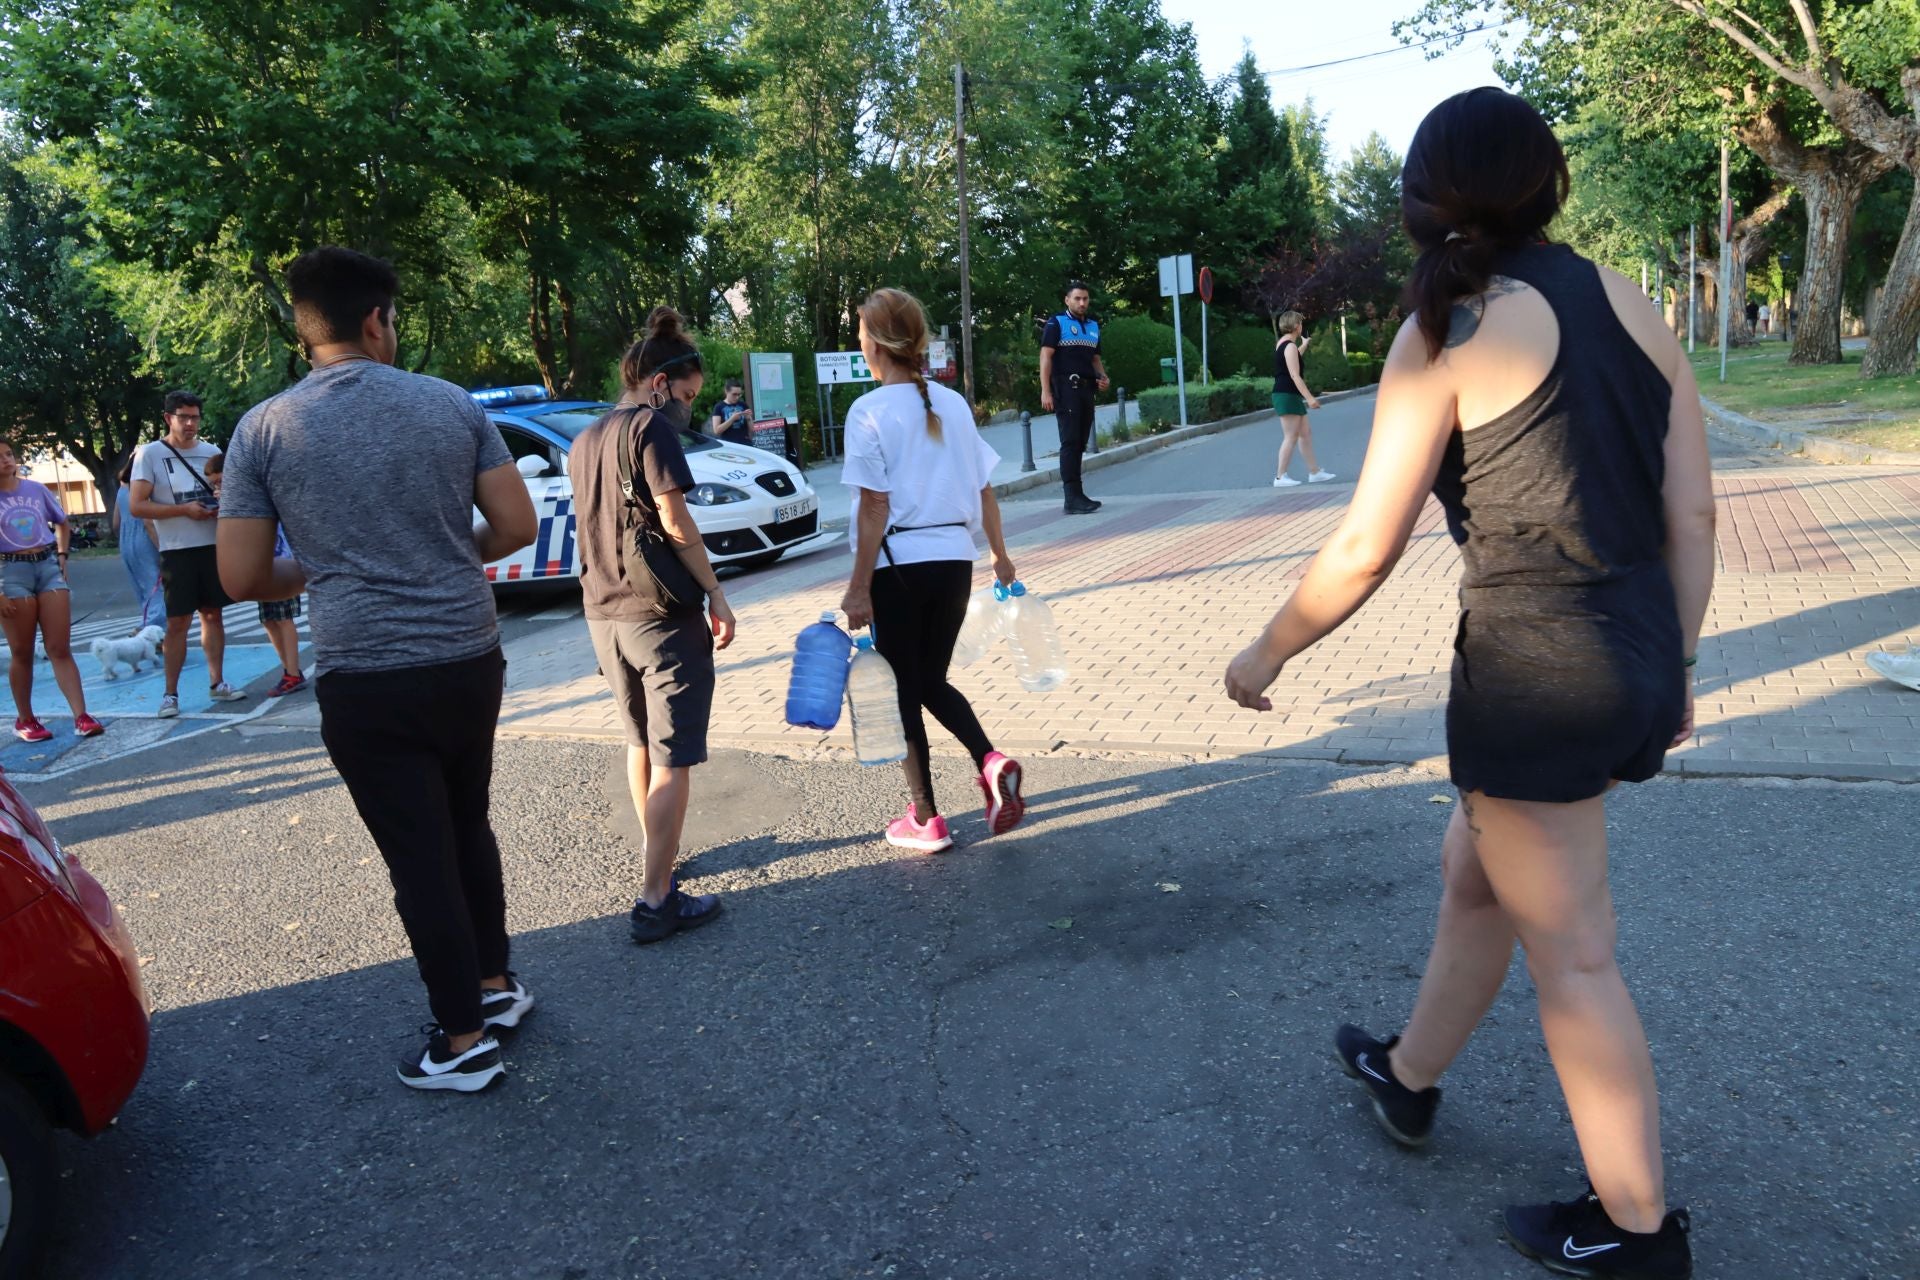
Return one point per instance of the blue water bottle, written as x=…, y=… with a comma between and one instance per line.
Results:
x=819, y=675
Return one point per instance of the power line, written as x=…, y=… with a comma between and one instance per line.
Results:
x=1381, y=53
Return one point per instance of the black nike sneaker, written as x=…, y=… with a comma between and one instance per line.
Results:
x=438, y=1067
x=1407, y=1116
x=1577, y=1238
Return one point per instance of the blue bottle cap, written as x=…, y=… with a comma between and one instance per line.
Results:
x=864, y=642
x=1000, y=591
x=1018, y=589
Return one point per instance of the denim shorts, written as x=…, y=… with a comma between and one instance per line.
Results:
x=25, y=579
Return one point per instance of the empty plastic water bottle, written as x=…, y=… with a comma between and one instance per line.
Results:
x=819, y=675
x=986, y=621
x=873, y=696
x=1039, y=662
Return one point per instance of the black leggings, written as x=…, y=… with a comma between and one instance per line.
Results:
x=415, y=748
x=917, y=612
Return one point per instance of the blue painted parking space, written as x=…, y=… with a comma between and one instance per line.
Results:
x=127, y=707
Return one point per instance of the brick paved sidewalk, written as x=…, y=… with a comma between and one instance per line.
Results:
x=1818, y=565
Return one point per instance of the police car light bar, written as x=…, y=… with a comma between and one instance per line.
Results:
x=509, y=395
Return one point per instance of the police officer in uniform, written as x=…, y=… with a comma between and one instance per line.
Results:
x=1070, y=374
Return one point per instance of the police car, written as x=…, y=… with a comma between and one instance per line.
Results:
x=751, y=507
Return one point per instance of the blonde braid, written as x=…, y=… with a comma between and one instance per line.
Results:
x=926, y=398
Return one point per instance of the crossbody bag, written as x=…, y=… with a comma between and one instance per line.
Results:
x=647, y=554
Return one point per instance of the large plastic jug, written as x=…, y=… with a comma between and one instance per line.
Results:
x=986, y=621
x=1039, y=662
x=819, y=675
x=873, y=696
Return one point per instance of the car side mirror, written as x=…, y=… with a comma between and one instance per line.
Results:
x=532, y=468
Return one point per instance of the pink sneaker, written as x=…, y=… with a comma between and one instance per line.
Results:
x=28, y=730
x=925, y=837
x=1000, y=779
x=85, y=726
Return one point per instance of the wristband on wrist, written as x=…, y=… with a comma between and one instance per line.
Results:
x=1691, y=661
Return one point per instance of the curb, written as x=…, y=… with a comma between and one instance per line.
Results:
x=1805, y=444
x=1120, y=453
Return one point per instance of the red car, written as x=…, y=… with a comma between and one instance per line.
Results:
x=73, y=1018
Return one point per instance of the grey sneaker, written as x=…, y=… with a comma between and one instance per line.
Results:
x=1901, y=668
x=224, y=692
x=169, y=707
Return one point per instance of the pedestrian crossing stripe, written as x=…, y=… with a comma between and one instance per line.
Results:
x=242, y=624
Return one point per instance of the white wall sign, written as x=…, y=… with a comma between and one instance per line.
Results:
x=841, y=366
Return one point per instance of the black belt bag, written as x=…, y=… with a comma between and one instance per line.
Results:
x=892, y=529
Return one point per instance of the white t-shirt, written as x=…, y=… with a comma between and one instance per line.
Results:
x=928, y=482
x=176, y=481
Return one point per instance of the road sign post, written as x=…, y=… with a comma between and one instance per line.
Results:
x=1206, y=296
x=831, y=368
x=1176, y=278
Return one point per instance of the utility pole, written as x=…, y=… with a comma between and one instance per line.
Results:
x=966, y=260
x=1693, y=285
x=1727, y=258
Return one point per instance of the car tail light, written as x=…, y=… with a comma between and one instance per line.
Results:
x=19, y=822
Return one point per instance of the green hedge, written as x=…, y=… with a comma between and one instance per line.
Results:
x=1242, y=349
x=1324, y=368
x=1205, y=403
x=1131, y=347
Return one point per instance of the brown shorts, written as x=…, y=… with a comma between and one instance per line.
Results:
x=661, y=674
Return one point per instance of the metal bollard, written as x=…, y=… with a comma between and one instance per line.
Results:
x=1026, y=440
x=1120, y=399
x=1093, y=431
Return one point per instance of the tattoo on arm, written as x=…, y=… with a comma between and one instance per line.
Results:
x=1468, y=312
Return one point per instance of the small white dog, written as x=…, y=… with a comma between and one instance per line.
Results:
x=131, y=650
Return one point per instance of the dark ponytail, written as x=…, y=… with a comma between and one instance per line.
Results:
x=1485, y=174
x=665, y=346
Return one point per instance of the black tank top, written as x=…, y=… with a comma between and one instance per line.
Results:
x=1282, y=380
x=1564, y=488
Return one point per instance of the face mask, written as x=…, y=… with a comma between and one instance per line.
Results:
x=676, y=411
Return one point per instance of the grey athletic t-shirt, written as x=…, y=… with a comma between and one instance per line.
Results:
x=370, y=470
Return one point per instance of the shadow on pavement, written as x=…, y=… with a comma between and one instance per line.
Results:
x=1097, y=1047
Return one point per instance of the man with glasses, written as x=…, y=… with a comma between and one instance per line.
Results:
x=170, y=488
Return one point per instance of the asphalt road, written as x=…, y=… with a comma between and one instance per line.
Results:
x=1096, y=1048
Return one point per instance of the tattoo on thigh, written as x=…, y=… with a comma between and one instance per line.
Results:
x=1466, y=808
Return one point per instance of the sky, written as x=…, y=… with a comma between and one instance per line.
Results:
x=1389, y=94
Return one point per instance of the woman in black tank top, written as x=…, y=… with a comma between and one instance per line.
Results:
x=1584, y=512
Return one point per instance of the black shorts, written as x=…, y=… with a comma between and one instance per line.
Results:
x=280, y=610
x=190, y=582
x=661, y=675
x=1560, y=692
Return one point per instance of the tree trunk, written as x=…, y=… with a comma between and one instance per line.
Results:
x=1816, y=326
x=1896, y=329
x=540, y=328
x=570, y=334
x=1831, y=180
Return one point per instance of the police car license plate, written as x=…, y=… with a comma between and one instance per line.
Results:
x=792, y=511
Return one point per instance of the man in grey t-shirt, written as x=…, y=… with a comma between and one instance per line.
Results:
x=374, y=474
x=170, y=488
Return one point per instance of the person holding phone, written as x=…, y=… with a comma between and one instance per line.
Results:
x=170, y=488
x=731, y=410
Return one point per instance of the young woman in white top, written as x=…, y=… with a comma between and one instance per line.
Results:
x=924, y=482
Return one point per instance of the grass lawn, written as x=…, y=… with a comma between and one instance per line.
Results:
x=1832, y=399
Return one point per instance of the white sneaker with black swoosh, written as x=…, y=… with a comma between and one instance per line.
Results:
x=1577, y=1238
x=438, y=1067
